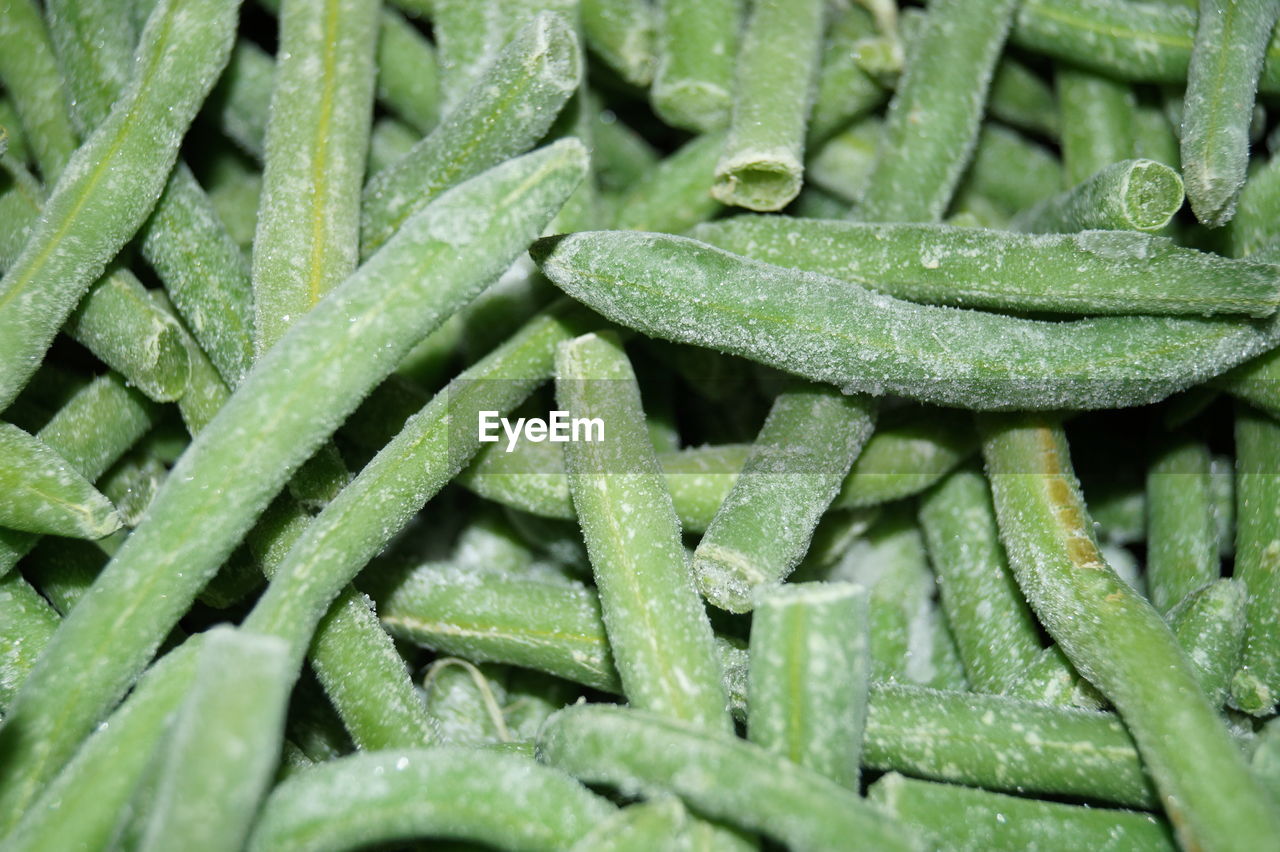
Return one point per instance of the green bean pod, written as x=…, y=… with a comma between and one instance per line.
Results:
x=112, y=182
x=1182, y=538
x=810, y=665
x=844, y=91
x=1095, y=272
x=621, y=32
x=1209, y=624
x=718, y=775
x=1232, y=37
x=241, y=101
x=797, y=465
x=1097, y=123
x=933, y=118
x=995, y=632
x=294, y=398
x=844, y=164
x=408, y=74
x=658, y=631
x=834, y=331
x=1266, y=758
x=1010, y=171
x=510, y=108
x=94, y=45
x=641, y=827
x=206, y=793
x=1137, y=195
x=26, y=625
x=1256, y=687
x=1254, y=225
x=762, y=165
x=498, y=799
x=44, y=494
x=1134, y=660
x=675, y=194
x=33, y=81
x=697, y=42
x=961, y=818
x=1019, y=98
x=1051, y=679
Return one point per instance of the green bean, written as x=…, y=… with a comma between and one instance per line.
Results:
x=63, y=569
x=242, y=99
x=1137, y=195
x=1135, y=661
x=244, y=456
x=390, y=141
x=718, y=775
x=696, y=47
x=1097, y=272
x=136, y=145
x=832, y=331
x=762, y=164
x=1010, y=170
x=622, y=156
x=934, y=116
x=465, y=704
x=1209, y=624
x=808, y=677
x=27, y=624
x=366, y=799
x=20, y=197
x=1182, y=540
x=844, y=164
x=621, y=33
x=1154, y=137
x=1097, y=123
x=1254, y=225
x=82, y=807
x=16, y=145
x=1051, y=679
x=674, y=195
x=509, y=109
x=658, y=632
x=797, y=465
x=844, y=91
x=206, y=792
x=1256, y=687
x=960, y=818
x=1266, y=758
x=94, y=45
x=905, y=457
x=408, y=77
x=44, y=494
x=1020, y=98
x=1232, y=37
x=132, y=484
x=34, y=83
x=641, y=827
x=995, y=632
x=235, y=188
x=314, y=159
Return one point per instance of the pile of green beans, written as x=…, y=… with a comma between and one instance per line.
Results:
x=639, y=425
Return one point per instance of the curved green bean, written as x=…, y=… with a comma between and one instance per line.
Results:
x=697, y=44
x=1138, y=195
x=41, y=492
x=1232, y=37
x=1095, y=272
x=641, y=827
x=717, y=774
x=1134, y=660
x=112, y=182
x=1209, y=624
x=295, y=396
x=658, y=630
x=498, y=799
x=833, y=331
x=961, y=818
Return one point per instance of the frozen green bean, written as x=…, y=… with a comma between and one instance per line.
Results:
x=961, y=818
x=1254, y=225
x=1256, y=687
x=795, y=469
x=1019, y=97
x=1232, y=37
x=1209, y=624
x=33, y=81
x=844, y=91
x=641, y=827
x=94, y=45
x=844, y=164
x=26, y=625
x=996, y=634
x=621, y=32
x=222, y=746
x=933, y=119
x=1010, y=171
x=510, y=108
x=808, y=676
x=1097, y=123
x=697, y=43
x=63, y=569
x=502, y=800
x=621, y=155
x=1137, y=195
x=1096, y=272
x=307, y=383
x=1051, y=679
x=675, y=194
x=242, y=99
x=131, y=485
x=1134, y=659
x=658, y=631
x=408, y=77
x=44, y=494
x=906, y=456
x=833, y=331
x=113, y=180
x=762, y=164
x=718, y=775
x=15, y=142
x=308, y=233
x=1182, y=539
x=389, y=142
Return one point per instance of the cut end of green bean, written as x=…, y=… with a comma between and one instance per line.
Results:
x=1152, y=195
x=697, y=106
x=757, y=181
